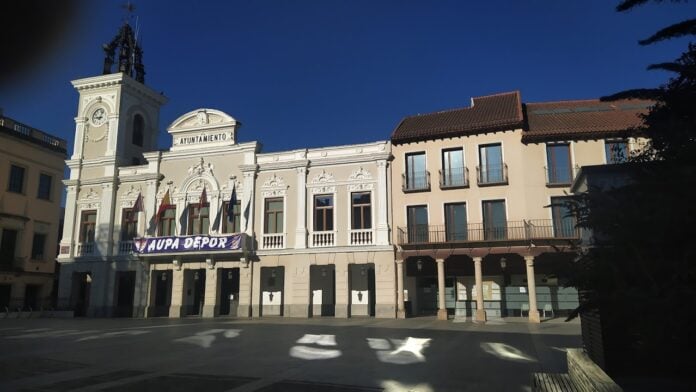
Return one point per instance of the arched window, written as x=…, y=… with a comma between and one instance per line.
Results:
x=138, y=129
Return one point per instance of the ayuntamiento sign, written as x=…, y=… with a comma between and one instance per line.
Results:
x=191, y=243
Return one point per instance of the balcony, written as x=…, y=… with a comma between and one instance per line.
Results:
x=416, y=182
x=273, y=241
x=560, y=176
x=85, y=249
x=322, y=239
x=362, y=237
x=477, y=233
x=125, y=247
x=492, y=175
x=454, y=178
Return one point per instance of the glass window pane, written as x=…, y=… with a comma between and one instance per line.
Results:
x=494, y=220
x=455, y=221
x=491, y=163
x=558, y=161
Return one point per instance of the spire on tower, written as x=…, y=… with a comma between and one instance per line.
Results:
x=130, y=54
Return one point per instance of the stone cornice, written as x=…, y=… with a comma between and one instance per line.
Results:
x=115, y=79
x=337, y=249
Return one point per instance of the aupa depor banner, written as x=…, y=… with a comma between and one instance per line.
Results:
x=191, y=243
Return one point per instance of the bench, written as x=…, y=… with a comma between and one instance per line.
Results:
x=583, y=376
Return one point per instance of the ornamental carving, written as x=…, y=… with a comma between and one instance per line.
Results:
x=201, y=168
x=90, y=195
x=274, y=193
x=274, y=182
x=323, y=177
x=361, y=187
x=324, y=189
x=360, y=174
x=132, y=192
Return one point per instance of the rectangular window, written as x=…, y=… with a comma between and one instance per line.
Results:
x=491, y=167
x=416, y=177
x=37, y=246
x=273, y=223
x=167, y=222
x=455, y=221
x=563, y=219
x=88, y=226
x=8, y=244
x=417, y=220
x=16, y=179
x=453, y=168
x=129, y=224
x=198, y=219
x=231, y=224
x=45, y=182
x=361, y=208
x=558, y=163
x=323, y=213
x=494, y=220
x=616, y=151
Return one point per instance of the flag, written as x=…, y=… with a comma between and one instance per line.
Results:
x=204, y=199
x=230, y=206
x=138, y=205
x=163, y=206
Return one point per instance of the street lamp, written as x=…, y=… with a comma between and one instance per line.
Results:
x=419, y=265
x=503, y=263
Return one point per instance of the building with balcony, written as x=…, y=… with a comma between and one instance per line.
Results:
x=478, y=214
x=211, y=226
x=31, y=167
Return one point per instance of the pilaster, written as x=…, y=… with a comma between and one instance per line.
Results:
x=212, y=291
x=382, y=196
x=245, y=289
x=301, y=229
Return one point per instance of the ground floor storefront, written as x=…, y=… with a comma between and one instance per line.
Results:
x=25, y=292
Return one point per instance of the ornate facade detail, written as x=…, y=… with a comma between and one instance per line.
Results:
x=324, y=189
x=132, y=192
x=202, y=117
x=274, y=182
x=274, y=193
x=360, y=175
x=323, y=178
x=201, y=168
x=91, y=195
x=361, y=187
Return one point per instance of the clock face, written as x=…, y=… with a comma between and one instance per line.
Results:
x=98, y=117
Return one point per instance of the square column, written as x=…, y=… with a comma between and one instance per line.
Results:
x=442, y=310
x=480, y=316
x=342, y=291
x=245, y=289
x=301, y=229
x=400, y=305
x=212, y=291
x=177, y=291
x=531, y=287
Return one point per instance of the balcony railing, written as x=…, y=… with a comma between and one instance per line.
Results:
x=125, y=247
x=535, y=229
x=414, y=182
x=454, y=178
x=492, y=174
x=273, y=241
x=85, y=249
x=560, y=176
x=362, y=237
x=322, y=239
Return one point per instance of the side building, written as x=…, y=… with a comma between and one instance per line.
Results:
x=477, y=201
x=31, y=167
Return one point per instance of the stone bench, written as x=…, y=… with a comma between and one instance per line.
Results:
x=583, y=376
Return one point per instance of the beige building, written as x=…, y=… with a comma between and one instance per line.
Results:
x=475, y=201
x=31, y=167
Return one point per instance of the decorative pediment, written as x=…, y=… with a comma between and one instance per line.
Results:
x=360, y=175
x=90, y=195
x=274, y=182
x=132, y=193
x=322, y=178
x=201, y=168
x=202, y=118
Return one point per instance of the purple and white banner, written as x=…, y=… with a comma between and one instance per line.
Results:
x=191, y=243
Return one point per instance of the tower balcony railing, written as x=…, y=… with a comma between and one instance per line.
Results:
x=492, y=174
x=535, y=229
x=457, y=177
x=273, y=241
x=416, y=181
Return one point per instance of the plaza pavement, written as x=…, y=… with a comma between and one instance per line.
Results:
x=314, y=355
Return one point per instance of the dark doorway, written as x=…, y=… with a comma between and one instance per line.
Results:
x=322, y=283
x=125, y=293
x=31, y=297
x=228, y=280
x=195, y=291
x=362, y=289
x=272, y=284
x=81, y=287
x=5, y=295
x=163, y=293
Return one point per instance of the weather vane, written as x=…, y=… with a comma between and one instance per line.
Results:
x=129, y=9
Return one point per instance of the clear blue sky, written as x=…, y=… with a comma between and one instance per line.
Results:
x=317, y=73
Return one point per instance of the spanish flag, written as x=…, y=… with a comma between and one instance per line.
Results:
x=166, y=202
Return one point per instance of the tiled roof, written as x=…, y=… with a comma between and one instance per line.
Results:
x=585, y=119
x=486, y=114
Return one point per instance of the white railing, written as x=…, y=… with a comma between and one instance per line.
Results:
x=125, y=247
x=85, y=249
x=273, y=241
x=321, y=239
x=362, y=237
